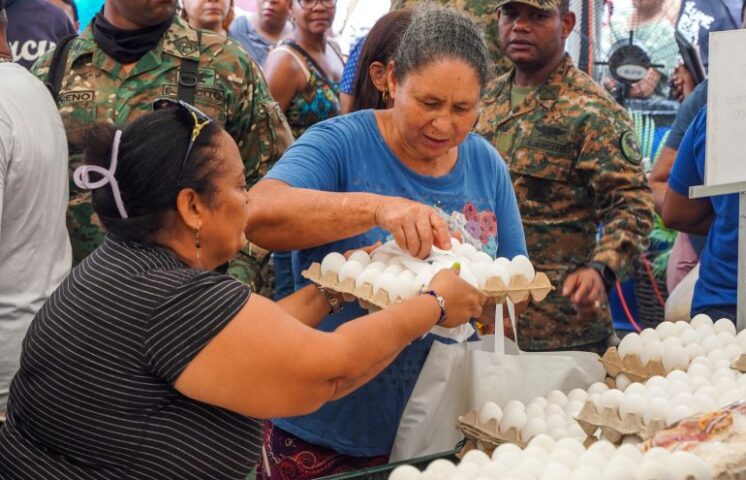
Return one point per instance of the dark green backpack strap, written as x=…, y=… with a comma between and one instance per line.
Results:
x=189, y=75
x=58, y=64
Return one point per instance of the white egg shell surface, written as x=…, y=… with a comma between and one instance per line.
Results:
x=490, y=411
x=332, y=262
x=359, y=256
x=367, y=276
x=631, y=344
x=351, y=269
x=521, y=265
x=725, y=325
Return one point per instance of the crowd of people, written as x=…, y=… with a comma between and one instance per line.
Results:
x=166, y=176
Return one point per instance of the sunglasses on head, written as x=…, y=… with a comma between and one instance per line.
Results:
x=201, y=120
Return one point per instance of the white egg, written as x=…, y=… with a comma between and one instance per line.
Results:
x=677, y=414
x=595, y=399
x=498, y=270
x=577, y=395
x=630, y=345
x=694, y=350
x=622, y=463
x=733, y=351
x=622, y=381
x=657, y=381
x=534, y=411
x=545, y=442
x=384, y=281
x=422, y=280
x=741, y=339
x=729, y=396
x=468, y=276
x=688, y=337
x=630, y=452
x=556, y=397
x=576, y=431
x=674, y=358
x=399, y=288
x=705, y=330
x=490, y=411
x=741, y=381
x=514, y=405
x=593, y=459
x=655, y=410
x=491, y=470
x=708, y=391
x=404, y=472
x=679, y=375
x=379, y=256
x=635, y=388
x=685, y=465
x=695, y=383
x=717, y=356
x=359, y=256
x=332, y=263
x=533, y=427
x=476, y=457
x=597, y=388
x=521, y=265
x=703, y=360
x=656, y=392
x=378, y=266
x=657, y=454
x=481, y=257
x=723, y=373
x=671, y=342
x=562, y=456
x=558, y=433
x=700, y=320
x=505, y=262
x=541, y=401
x=712, y=342
x=467, y=470
x=727, y=338
x=666, y=329
x=586, y=472
x=651, y=470
x=531, y=466
x=703, y=403
x=367, y=276
x=651, y=352
x=512, y=419
x=615, y=472
x=480, y=272
x=611, y=399
x=554, y=409
x=725, y=325
x=556, y=421
x=351, y=269
x=649, y=335
x=573, y=408
x=394, y=269
x=464, y=250
x=720, y=363
x=572, y=445
x=682, y=326
x=505, y=449
x=682, y=398
x=633, y=404
x=555, y=471
x=603, y=448
x=441, y=467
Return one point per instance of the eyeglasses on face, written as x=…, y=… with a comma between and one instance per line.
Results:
x=309, y=4
x=201, y=120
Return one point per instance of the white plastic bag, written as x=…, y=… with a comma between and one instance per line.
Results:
x=458, y=378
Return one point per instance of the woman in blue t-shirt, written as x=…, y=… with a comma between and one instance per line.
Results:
x=413, y=172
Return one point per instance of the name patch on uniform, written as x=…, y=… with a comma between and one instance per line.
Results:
x=550, y=147
x=214, y=96
x=630, y=147
x=77, y=96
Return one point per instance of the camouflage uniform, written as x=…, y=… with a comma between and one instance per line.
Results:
x=231, y=90
x=483, y=12
x=575, y=163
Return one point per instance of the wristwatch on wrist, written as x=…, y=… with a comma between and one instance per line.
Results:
x=334, y=302
x=607, y=274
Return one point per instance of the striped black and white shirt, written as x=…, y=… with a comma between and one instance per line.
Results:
x=94, y=396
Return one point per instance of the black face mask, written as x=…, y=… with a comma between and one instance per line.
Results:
x=127, y=46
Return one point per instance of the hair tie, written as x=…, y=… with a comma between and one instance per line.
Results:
x=82, y=179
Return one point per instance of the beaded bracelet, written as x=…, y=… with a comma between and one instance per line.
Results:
x=334, y=302
x=441, y=303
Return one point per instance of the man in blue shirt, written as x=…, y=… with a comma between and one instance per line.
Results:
x=716, y=217
x=35, y=27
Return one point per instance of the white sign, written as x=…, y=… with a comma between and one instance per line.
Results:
x=726, y=109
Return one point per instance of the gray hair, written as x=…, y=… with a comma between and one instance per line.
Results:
x=439, y=33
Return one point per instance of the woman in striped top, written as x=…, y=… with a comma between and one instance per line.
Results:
x=148, y=364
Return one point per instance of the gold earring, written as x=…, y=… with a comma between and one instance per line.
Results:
x=385, y=96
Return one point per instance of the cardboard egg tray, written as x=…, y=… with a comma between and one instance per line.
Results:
x=486, y=436
x=613, y=428
x=632, y=366
x=739, y=364
x=518, y=290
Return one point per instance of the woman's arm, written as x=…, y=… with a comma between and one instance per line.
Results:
x=285, y=77
x=287, y=218
x=686, y=214
x=265, y=363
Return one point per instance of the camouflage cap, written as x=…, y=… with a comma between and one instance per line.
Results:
x=540, y=4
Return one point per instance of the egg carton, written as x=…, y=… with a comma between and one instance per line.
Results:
x=613, y=427
x=487, y=435
x=632, y=366
x=518, y=290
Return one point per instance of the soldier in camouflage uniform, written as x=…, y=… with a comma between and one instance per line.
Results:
x=483, y=12
x=230, y=89
x=575, y=164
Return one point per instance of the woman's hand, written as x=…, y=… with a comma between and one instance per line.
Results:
x=415, y=227
x=462, y=301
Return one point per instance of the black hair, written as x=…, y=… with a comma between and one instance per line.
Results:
x=438, y=33
x=380, y=46
x=149, y=171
